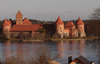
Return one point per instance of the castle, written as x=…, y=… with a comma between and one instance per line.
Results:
x=69, y=30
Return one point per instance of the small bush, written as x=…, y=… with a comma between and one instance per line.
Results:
x=41, y=30
x=56, y=35
x=23, y=35
x=3, y=36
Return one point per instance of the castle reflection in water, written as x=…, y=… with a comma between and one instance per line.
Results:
x=62, y=48
x=71, y=48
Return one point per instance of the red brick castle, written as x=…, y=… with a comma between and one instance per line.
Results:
x=69, y=30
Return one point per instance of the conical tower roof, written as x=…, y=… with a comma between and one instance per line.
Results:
x=19, y=13
x=70, y=23
x=59, y=21
x=5, y=23
x=26, y=21
x=10, y=22
x=79, y=22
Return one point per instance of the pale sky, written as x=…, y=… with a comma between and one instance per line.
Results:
x=48, y=10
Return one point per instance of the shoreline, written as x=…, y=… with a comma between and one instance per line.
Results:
x=88, y=38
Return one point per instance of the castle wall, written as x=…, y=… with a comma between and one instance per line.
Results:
x=76, y=33
x=70, y=27
x=59, y=28
x=6, y=29
x=66, y=34
x=38, y=35
x=15, y=34
x=80, y=28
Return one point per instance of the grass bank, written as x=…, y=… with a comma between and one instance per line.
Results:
x=52, y=39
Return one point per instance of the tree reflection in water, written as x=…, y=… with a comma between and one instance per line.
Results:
x=95, y=46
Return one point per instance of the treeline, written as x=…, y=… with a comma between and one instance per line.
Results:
x=92, y=28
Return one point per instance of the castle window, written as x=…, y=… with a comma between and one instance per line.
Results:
x=19, y=20
x=81, y=27
x=60, y=28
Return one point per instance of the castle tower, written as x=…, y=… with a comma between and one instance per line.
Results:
x=59, y=26
x=6, y=26
x=27, y=22
x=70, y=25
x=19, y=18
x=10, y=23
x=80, y=27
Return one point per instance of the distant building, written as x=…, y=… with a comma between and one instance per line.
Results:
x=79, y=60
x=69, y=30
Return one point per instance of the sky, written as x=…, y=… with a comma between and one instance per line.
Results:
x=48, y=10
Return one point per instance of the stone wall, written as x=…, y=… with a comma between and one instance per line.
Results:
x=16, y=34
x=38, y=35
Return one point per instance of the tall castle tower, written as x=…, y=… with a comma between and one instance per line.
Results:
x=6, y=26
x=19, y=18
x=10, y=23
x=80, y=27
x=59, y=25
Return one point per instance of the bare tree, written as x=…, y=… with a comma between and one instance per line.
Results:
x=96, y=14
x=92, y=27
x=41, y=55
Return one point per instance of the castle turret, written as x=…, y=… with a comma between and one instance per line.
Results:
x=19, y=18
x=6, y=26
x=27, y=22
x=80, y=27
x=70, y=25
x=59, y=25
x=10, y=23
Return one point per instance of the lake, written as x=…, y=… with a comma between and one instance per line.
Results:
x=64, y=48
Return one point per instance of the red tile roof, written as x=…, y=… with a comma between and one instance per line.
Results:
x=34, y=27
x=69, y=24
x=9, y=22
x=66, y=30
x=26, y=21
x=5, y=23
x=79, y=22
x=59, y=21
x=19, y=13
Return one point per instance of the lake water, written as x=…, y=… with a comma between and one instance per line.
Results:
x=63, y=48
